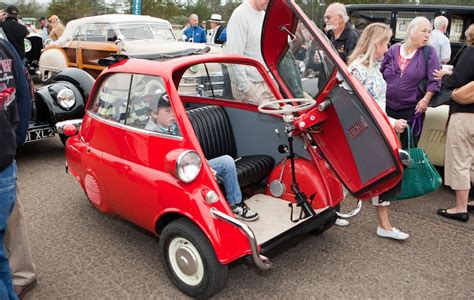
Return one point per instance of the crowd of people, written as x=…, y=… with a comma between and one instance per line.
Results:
x=392, y=76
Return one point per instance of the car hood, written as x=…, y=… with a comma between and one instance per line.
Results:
x=155, y=47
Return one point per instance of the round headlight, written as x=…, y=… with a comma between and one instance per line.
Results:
x=27, y=45
x=188, y=166
x=66, y=98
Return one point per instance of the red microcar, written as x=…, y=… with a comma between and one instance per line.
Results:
x=305, y=130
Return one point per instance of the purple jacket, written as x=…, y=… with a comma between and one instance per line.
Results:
x=402, y=88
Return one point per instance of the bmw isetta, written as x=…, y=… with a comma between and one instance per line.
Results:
x=294, y=152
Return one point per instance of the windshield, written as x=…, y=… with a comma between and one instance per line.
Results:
x=305, y=68
x=146, y=31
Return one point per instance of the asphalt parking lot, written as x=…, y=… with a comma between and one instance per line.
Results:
x=83, y=254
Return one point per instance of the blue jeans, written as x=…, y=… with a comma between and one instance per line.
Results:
x=225, y=168
x=7, y=201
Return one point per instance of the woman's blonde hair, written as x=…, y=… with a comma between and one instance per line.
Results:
x=470, y=35
x=365, y=49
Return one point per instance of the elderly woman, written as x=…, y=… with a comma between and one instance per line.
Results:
x=404, y=67
x=459, y=157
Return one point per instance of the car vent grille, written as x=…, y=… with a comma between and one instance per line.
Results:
x=92, y=189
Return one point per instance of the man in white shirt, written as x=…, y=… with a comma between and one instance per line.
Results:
x=216, y=29
x=440, y=41
x=243, y=37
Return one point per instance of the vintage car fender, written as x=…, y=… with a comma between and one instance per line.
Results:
x=51, y=61
x=78, y=81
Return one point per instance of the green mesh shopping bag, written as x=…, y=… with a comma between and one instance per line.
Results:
x=421, y=176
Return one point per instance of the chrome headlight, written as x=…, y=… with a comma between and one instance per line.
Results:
x=66, y=98
x=188, y=166
x=27, y=46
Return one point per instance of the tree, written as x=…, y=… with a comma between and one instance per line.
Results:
x=68, y=10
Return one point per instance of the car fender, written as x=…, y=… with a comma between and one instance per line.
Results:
x=51, y=61
x=80, y=78
x=228, y=241
x=48, y=94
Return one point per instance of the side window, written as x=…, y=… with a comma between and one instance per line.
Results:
x=150, y=107
x=80, y=34
x=360, y=19
x=96, y=32
x=405, y=17
x=111, y=101
x=456, y=29
x=235, y=82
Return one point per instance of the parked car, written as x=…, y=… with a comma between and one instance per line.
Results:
x=61, y=98
x=33, y=49
x=287, y=151
x=433, y=136
x=86, y=40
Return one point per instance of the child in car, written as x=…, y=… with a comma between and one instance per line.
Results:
x=163, y=120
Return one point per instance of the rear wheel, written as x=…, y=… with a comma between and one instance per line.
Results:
x=190, y=261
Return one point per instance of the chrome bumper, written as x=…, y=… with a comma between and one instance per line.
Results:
x=261, y=261
x=60, y=125
x=352, y=213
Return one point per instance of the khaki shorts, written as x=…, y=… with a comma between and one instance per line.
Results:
x=459, y=156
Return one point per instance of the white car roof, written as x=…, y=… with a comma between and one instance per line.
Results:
x=112, y=18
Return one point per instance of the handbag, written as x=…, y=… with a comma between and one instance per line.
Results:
x=444, y=95
x=465, y=94
x=421, y=176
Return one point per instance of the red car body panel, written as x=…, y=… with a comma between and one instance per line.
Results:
x=123, y=170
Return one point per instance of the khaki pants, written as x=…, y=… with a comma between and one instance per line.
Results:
x=17, y=247
x=459, y=157
x=259, y=92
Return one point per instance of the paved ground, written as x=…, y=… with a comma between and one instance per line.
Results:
x=81, y=253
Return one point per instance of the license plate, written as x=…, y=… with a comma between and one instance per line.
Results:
x=39, y=134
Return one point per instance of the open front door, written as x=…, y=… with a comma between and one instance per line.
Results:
x=351, y=132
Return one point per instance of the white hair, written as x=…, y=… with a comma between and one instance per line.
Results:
x=440, y=21
x=413, y=26
x=340, y=9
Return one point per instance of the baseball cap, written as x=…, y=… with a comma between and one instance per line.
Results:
x=12, y=10
x=42, y=18
x=162, y=102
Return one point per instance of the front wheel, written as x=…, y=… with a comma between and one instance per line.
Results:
x=190, y=261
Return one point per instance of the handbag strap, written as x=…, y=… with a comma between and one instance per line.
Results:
x=410, y=137
x=416, y=124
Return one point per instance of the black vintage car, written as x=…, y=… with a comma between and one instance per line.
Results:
x=399, y=15
x=61, y=98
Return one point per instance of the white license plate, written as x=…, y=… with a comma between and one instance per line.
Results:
x=39, y=134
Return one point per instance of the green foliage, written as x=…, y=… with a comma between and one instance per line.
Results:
x=68, y=10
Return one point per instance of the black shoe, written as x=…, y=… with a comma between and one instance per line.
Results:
x=470, y=208
x=463, y=217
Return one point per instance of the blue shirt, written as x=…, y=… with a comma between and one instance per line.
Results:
x=195, y=34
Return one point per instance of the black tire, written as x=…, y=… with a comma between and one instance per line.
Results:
x=63, y=138
x=214, y=274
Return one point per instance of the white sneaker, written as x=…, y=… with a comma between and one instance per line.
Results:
x=342, y=222
x=394, y=234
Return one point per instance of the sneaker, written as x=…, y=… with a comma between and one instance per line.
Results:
x=342, y=222
x=243, y=212
x=394, y=234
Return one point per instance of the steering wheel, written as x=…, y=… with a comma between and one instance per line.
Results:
x=271, y=108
